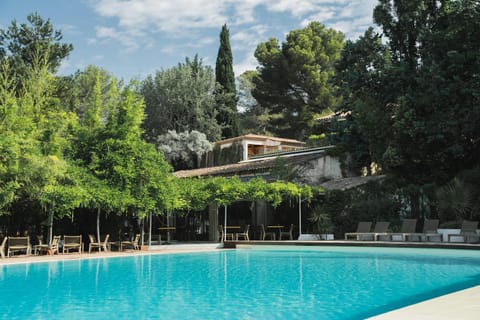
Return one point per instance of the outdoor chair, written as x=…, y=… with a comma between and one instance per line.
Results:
x=224, y=236
x=265, y=234
x=98, y=245
x=288, y=234
x=363, y=228
x=408, y=227
x=45, y=247
x=243, y=234
x=19, y=244
x=430, y=230
x=72, y=243
x=2, y=247
x=133, y=244
x=468, y=231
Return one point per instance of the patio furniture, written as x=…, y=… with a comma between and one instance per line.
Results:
x=430, y=230
x=133, y=244
x=408, y=227
x=243, y=234
x=363, y=227
x=275, y=228
x=19, y=244
x=379, y=230
x=265, y=234
x=468, y=231
x=72, y=243
x=98, y=245
x=45, y=247
x=288, y=233
x=222, y=235
x=2, y=247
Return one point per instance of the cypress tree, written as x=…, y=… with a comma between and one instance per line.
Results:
x=226, y=93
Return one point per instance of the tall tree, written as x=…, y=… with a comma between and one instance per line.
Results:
x=417, y=111
x=23, y=44
x=361, y=77
x=253, y=117
x=226, y=93
x=433, y=136
x=293, y=79
x=181, y=99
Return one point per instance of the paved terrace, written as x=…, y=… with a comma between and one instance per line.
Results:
x=464, y=305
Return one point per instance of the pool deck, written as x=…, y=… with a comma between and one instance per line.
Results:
x=464, y=304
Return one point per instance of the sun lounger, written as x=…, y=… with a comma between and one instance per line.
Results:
x=430, y=230
x=363, y=228
x=380, y=229
x=408, y=227
x=72, y=243
x=19, y=244
x=468, y=232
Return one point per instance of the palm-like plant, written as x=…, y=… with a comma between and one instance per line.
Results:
x=458, y=200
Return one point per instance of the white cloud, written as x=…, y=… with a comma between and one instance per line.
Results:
x=125, y=38
x=248, y=63
x=68, y=29
x=248, y=37
x=166, y=16
x=137, y=22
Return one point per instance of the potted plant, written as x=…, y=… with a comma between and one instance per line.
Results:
x=322, y=223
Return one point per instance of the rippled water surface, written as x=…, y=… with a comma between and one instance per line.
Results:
x=291, y=283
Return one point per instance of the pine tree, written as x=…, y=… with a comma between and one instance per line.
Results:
x=226, y=94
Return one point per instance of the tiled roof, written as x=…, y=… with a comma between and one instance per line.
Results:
x=251, y=166
x=261, y=138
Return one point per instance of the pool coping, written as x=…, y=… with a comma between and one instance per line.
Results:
x=358, y=243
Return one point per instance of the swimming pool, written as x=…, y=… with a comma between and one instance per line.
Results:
x=292, y=282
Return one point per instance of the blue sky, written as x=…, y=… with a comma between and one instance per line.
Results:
x=134, y=38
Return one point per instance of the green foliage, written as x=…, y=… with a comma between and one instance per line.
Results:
x=181, y=99
x=459, y=198
x=253, y=117
x=228, y=155
x=226, y=93
x=321, y=219
x=24, y=45
x=293, y=79
x=281, y=171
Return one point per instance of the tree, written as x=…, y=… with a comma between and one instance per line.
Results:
x=25, y=44
x=253, y=118
x=226, y=93
x=416, y=110
x=361, y=79
x=184, y=150
x=293, y=79
x=436, y=104
x=181, y=99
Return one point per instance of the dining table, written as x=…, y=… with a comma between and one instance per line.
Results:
x=168, y=230
x=276, y=228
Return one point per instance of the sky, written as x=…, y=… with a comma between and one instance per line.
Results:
x=134, y=38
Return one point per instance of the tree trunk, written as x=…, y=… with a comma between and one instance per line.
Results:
x=98, y=225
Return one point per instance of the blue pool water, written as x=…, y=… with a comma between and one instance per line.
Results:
x=291, y=283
